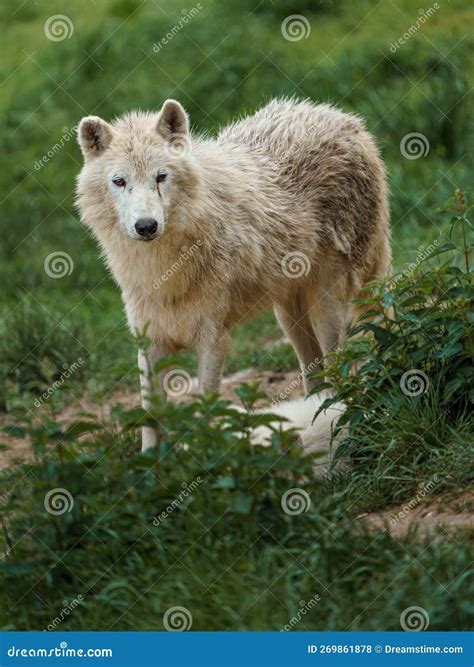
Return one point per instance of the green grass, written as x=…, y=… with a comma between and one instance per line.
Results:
x=228, y=553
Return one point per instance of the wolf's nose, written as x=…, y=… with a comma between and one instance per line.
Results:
x=146, y=226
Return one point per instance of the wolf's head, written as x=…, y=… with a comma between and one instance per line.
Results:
x=137, y=170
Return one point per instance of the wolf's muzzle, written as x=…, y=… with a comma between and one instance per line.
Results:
x=146, y=227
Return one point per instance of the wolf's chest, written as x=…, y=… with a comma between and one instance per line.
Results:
x=161, y=319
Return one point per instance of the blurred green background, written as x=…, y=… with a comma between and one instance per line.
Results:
x=222, y=60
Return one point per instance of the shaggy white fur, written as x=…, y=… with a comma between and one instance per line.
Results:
x=315, y=434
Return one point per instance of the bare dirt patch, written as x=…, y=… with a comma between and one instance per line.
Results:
x=278, y=386
x=445, y=514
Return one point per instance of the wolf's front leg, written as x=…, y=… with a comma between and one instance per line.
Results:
x=149, y=383
x=212, y=353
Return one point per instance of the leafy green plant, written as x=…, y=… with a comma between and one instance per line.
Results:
x=405, y=373
x=200, y=522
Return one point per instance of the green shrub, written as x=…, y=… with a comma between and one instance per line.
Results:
x=200, y=522
x=412, y=391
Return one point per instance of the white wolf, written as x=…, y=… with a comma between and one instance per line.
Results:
x=314, y=434
x=287, y=208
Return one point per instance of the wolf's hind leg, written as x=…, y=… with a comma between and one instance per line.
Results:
x=329, y=317
x=294, y=320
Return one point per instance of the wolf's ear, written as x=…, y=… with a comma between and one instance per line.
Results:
x=172, y=120
x=94, y=136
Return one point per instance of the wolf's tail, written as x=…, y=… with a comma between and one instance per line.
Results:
x=314, y=435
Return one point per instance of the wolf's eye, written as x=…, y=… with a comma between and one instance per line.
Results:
x=119, y=182
x=161, y=178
